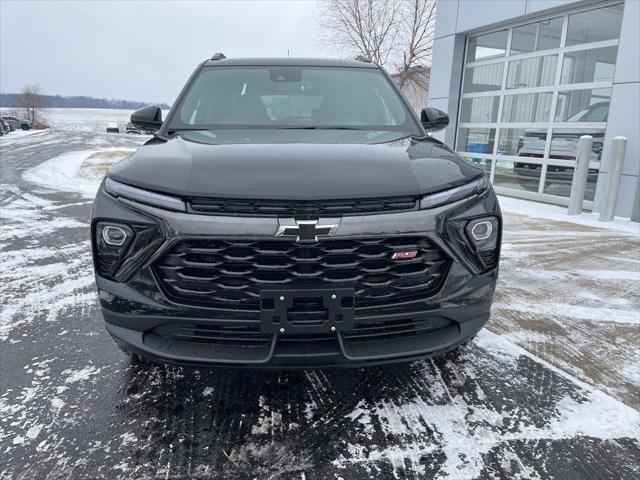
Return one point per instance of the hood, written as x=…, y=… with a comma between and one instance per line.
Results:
x=294, y=171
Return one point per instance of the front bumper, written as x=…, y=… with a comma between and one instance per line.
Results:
x=144, y=320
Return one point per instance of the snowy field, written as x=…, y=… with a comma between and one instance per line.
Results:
x=549, y=389
x=84, y=119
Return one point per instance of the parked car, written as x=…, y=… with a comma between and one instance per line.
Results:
x=17, y=123
x=323, y=229
x=564, y=145
x=131, y=128
x=112, y=127
x=4, y=127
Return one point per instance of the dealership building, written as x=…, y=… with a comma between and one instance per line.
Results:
x=522, y=80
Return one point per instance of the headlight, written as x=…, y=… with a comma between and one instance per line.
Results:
x=453, y=194
x=483, y=233
x=120, y=249
x=167, y=202
x=112, y=242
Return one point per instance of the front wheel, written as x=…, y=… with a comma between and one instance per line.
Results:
x=24, y=126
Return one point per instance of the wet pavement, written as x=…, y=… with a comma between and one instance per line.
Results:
x=549, y=390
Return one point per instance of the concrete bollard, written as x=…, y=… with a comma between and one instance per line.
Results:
x=635, y=213
x=580, y=173
x=612, y=184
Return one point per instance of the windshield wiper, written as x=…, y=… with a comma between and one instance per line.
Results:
x=185, y=129
x=321, y=127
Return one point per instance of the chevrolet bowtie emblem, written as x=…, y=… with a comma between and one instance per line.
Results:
x=307, y=230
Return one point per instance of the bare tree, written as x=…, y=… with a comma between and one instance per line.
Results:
x=31, y=103
x=367, y=26
x=416, y=34
x=395, y=33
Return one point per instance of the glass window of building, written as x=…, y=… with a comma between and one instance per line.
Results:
x=589, y=66
x=484, y=47
x=483, y=78
x=595, y=25
x=532, y=72
x=530, y=91
x=534, y=37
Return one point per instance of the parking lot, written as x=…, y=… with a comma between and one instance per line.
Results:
x=549, y=390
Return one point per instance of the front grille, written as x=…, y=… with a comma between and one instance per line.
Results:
x=230, y=274
x=489, y=259
x=231, y=335
x=250, y=335
x=390, y=329
x=226, y=206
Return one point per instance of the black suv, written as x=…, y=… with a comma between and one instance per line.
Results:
x=293, y=213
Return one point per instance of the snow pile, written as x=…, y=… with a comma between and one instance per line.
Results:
x=21, y=136
x=64, y=172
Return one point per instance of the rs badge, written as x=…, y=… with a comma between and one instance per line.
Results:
x=404, y=255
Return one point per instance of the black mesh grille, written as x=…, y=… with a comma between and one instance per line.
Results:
x=245, y=335
x=489, y=259
x=298, y=208
x=230, y=274
x=400, y=328
x=250, y=335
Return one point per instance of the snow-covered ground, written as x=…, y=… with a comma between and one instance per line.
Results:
x=73, y=172
x=84, y=119
x=556, y=213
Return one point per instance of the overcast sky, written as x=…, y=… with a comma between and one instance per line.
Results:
x=142, y=50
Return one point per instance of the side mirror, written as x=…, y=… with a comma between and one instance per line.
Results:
x=433, y=119
x=147, y=118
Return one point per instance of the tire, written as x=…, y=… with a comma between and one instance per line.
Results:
x=24, y=126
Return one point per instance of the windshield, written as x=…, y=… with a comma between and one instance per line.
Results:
x=595, y=113
x=291, y=98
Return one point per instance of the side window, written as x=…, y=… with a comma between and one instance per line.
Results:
x=598, y=114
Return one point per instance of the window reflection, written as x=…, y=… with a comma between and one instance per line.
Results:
x=564, y=143
x=535, y=132
x=532, y=72
x=480, y=109
x=589, y=65
x=477, y=140
x=483, y=78
x=591, y=105
x=528, y=107
x=595, y=25
x=517, y=175
x=537, y=36
x=526, y=142
x=559, y=178
x=491, y=45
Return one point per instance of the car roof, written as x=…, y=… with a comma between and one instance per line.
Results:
x=287, y=61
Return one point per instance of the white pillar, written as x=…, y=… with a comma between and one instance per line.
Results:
x=612, y=184
x=635, y=213
x=580, y=174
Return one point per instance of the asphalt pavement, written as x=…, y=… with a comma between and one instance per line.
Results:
x=72, y=406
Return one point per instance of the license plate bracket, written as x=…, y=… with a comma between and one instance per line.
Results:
x=307, y=311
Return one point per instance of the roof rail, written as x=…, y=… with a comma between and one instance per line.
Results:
x=362, y=58
x=218, y=56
